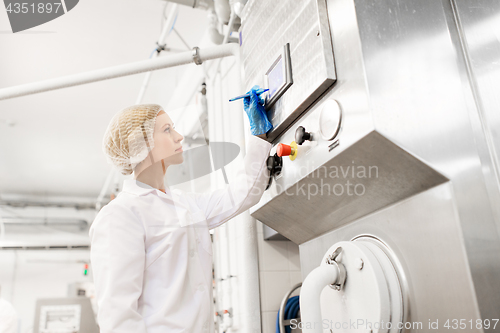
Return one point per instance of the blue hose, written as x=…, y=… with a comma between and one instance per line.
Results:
x=294, y=309
x=291, y=309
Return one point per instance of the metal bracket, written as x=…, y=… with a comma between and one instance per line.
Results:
x=332, y=260
x=160, y=48
x=196, y=55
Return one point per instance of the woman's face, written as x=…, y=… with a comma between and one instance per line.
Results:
x=167, y=141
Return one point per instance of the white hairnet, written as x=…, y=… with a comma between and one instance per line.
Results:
x=128, y=136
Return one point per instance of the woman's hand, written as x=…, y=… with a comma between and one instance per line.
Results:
x=254, y=108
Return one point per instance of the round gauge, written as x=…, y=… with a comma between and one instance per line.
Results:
x=329, y=119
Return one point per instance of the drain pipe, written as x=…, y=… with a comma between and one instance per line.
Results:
x=223, y=10
x=215, y=36
x=226, y=38
x=315, y=282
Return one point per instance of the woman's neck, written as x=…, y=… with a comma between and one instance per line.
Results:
x=153, y=175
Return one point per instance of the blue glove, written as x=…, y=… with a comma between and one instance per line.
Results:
x=254, y=107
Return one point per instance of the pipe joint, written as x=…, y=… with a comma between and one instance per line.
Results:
x=161, y=47
x=196, y=56
x=342, y=274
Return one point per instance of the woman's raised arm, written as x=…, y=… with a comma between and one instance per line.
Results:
x=243, y=191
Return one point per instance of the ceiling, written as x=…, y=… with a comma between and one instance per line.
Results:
x=54, y=146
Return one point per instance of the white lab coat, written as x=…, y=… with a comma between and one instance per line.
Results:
x=151, y=252
x=8, y=317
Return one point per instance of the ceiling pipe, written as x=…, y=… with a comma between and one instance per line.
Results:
x=213, y=31
x=44, y=221
x=24, y=204
x=201, y=4
x=223, y=10
x=219, y=12
x=44, y=247
x=237, y=6
x=182, y=58
x=215, y=36
x=226, y=39
x=213, y=19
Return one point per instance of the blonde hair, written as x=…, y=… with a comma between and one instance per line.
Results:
x=129, y=136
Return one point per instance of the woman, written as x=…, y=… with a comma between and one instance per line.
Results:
x=151, y=251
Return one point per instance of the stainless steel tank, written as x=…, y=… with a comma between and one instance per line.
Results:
x=401, y=100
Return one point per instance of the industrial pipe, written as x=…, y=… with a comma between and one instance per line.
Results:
x=226, y=38
x=215, y=36
x=201, y=4
x=223, y=10
x=183, y=58
x=172, y=15
x=310, y=308
x=237, y=6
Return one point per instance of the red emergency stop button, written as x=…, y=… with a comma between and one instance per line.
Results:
x=287, y=150
x=283, y=150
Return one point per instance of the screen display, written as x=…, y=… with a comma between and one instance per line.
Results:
x=276, y=78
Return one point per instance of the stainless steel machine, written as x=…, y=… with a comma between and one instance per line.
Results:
x=64, y=315
x=386, y=153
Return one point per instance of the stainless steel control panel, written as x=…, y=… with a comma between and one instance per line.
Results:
x=267, y=28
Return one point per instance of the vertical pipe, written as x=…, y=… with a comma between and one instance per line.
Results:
x=163, y=36
x=222, y=116
x=217, y=234
x=248, y=269
x=234, y=255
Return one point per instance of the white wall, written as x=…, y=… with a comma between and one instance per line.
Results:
x=279, y=266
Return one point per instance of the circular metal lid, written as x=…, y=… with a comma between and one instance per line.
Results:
x=330, y=119
x=371, y=299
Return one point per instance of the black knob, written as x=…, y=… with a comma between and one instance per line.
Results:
x=301, y=135
x=274, y=165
